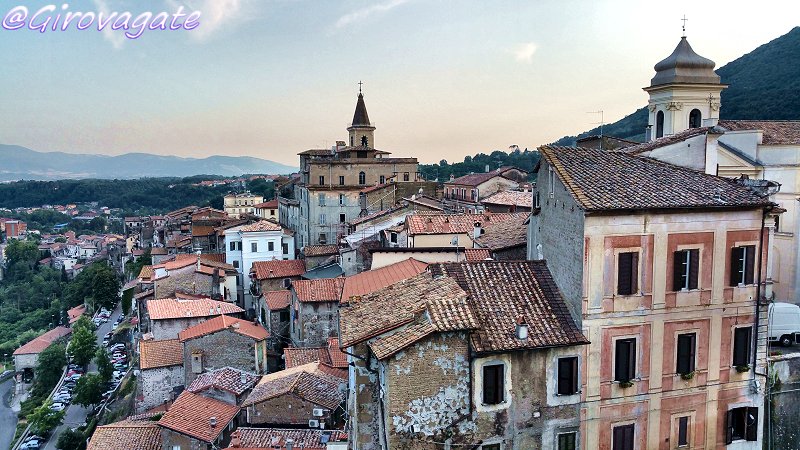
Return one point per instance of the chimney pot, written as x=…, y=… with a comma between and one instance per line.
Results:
x=212, y=421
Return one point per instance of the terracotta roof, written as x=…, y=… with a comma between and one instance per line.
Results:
x=320, y=250
x=163, y=353
x=665, y=140
x=475, y=179
x=158, y=251
x=275, y=438
x=219, y=323
x=317, y=152
x=278, y=268
x=510, y=198
x=374, y=188
x=305, y=381
x=42, y=342
x=75, y=313
x=775, y=132
x=228, y=379
x=147, y=273
x=606, y=180
x=298, y=356
x=190, y=415
x=144, y=294
x=272, y=204
x=127, y=435
x=372, y=280
x=202, y=230
x=434, y=223
x=173, y=308
x=276, y=300
x=501, y=292
x=320, y=290
x=506, y=234
x=261, y=225
x=424, y=200
x=477, y=254
x=337, y=357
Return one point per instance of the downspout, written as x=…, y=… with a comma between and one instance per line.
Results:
x=758, y=288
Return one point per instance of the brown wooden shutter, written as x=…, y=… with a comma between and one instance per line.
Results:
x=750, y=263
x=678, y=260
x=682, y=365
x=729, y=427
x=694, y=267
x=501, y=379
x=489, y=385
x=567, y=376
x=751, y=424
x=736, y=265
x=620, y=371
x=624, y=273
x=634, y=273
x=741, y=346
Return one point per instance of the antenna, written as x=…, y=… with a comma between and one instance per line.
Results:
x=684, y=25
x=601, y=123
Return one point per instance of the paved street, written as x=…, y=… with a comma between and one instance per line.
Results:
x=8, y=419
x=76, y=414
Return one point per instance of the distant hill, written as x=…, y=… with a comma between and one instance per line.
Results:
x=20, y=163
x=764, y=84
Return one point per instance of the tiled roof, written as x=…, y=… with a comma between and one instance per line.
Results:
x=158, y=251
x=42, y=342
x=75, y=313
x=331, y=355
x=511, y=198
x=228, y=379
x=320, y=290
x=775, y=132
x=424, y=200
x=317, y=152
x=144, y=294
x=202, y=230
x=305, y=381
x=276, y=300
x=320, y=250
x=272, y=204
x=477, y=254
x=163, y=353
x=475, y=179
x=147, y=273
x=173, y=308
x=275, y=438
x=190, y=414
x=506, y=234
x=665, y=141
x=278, y=268
x=219, y=323
x=501, y=292
x=451, y=223
x=608, y=180
x=127, y=435
x=337, y=357
x=261, y=225
x=372, y=280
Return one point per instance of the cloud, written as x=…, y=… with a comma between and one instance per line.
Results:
x=363, y=13
x=524, y=52
x=215, y=13
x=116, y=38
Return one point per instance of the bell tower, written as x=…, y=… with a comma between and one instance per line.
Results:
x=361, y=131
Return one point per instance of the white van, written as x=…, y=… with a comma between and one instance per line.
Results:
x=784, y=322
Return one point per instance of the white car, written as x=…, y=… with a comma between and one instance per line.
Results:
x=58, y=406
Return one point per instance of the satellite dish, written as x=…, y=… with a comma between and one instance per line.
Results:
x=454, y=241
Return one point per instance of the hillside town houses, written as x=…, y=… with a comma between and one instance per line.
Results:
x=615, y=297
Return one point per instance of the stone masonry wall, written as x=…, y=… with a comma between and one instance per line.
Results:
x=287, y=409
x=316, y=323
x=157, y=384
x=220, y=349
x=183, y=280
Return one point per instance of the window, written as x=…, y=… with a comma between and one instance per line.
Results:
x=322, y=219
x=493, y=384
x=254, y=247
x=490, y=447
x=285, y=248
x=321, y=199
x=473, y=194
x=625, y=360
x=283, y=316
x=235, y=264
x=623, y=437
x=271, y=246
x=321, y=180
x=628, y=273
x=741, y=345
x=323, y=238
x=742, y=424
x=382, y=179
x=568, y=375
x=233, y=246
x=393, y=237
x=362, y=178
x=686, y=351
x=686, y=264
x=287, y=282
x=341, y=199
x=683, y=431
x=271, y=212
x=341, y=180
x=695, y=118
x=239, y=245
x=551, y=181
x=342, y=218
x=365, y=143
x=405, y=176
x=568, y=441
x=743, y=261
x=660, y=124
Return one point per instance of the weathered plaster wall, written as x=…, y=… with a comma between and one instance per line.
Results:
x=221, y=349
x=158, y=384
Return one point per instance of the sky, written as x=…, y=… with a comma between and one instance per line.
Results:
x=443, y=79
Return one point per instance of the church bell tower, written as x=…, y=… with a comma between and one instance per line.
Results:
x=361, y=131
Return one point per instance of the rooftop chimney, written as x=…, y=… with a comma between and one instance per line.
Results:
x=487, y=168
x=290, y=444
x=212, y=421
x=522, y=328
x=477, y=231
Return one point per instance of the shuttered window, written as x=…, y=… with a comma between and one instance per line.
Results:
x=686, y=265
x=743, y=261
x=568, y=441
x=627, y=273
x=686, y=353
x=623, y=437
x=741, y=346
x=741, y=424
x=493, y=384
x=568, y=375
x=683, y=431
x=625, y=360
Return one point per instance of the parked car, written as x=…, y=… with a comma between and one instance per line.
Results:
x=117, y=347
x=97, y=321
x=784, y=322
x=58, y=406
x=73, y=377
x=32, y=443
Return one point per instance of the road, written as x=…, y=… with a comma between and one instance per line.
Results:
x=8, y=418
x=76, y=414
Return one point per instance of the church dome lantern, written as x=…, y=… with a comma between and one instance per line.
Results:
x=684, y=65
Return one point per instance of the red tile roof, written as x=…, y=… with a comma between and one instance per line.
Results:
x=278, y=268
x=320, y=250
x=305, y=382
x=75, y=313
x=276, y=300
x=372, y=280
x=337, y=357
x=475, y=179
x=246, y=438
x=261, y=225
x=321, y=290
x=173, y=308
x=451, y=223
x=477, y=254
x=42, y=342
x=228, y=379
x=127, y=435
x=147, y=273
x=272, y=204
x=775, y=132
x=190, y=414
x=506, y=234
x=164, y=353
x=510, y=198
x=331, y=355
x=219, y=323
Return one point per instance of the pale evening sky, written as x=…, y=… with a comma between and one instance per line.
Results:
x=270, y=78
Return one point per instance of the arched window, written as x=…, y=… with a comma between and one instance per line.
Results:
x=362, y=178
x=695, y=118
x=660, y=124
x=364, y=141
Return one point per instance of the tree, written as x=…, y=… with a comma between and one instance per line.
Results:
x=89, y=390
x=50, y=365
x=43, y=420
x=82, y=347
x=70, y=439
x=105, y=288
x=127, y=301
x=104, y=367
x=83, y=322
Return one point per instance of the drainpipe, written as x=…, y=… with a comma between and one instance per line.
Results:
x=758, y=287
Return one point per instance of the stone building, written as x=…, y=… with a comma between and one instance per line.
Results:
x=276, y=318
x=450, y=230
x=223, y=342
x=167, y=317
x=258, y=438
x=275, y=275
x=330, y=357
x=318, y=255
x=228, y=384
x=195, y=422
x=315, y=311
x=194, y=274
x=435, y=364
x=237, y=205
x=464, y=194
x=509, y=201
x=161, y=372
x=661, y=265
x=27, y=356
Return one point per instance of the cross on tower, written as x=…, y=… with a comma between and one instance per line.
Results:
x=359, y=86
x=684, y=24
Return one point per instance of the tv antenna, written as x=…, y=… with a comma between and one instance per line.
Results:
x=601, y=123
x=684, y=25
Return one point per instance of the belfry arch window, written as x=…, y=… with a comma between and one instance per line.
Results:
x=362, y=178
x=364, y=141
x=660, y=124
x=695, y=118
